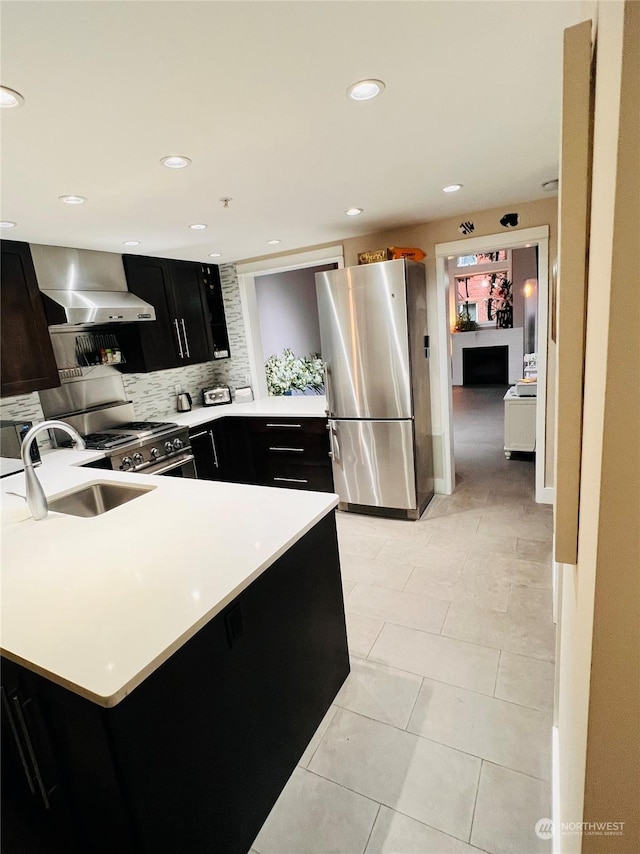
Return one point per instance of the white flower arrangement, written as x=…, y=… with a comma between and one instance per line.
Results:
x=289, y=372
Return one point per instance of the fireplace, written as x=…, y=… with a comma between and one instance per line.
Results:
x=485, y=366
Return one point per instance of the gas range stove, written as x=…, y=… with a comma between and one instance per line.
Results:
x=123, y=434
x=144, y=446
x=152, y=447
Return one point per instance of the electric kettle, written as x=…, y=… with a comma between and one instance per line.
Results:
x=183, y=402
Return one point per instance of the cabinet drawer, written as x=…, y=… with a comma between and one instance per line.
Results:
x=293, y=476
x=294, y=441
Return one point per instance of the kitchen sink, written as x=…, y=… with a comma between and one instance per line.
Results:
x=96, y=499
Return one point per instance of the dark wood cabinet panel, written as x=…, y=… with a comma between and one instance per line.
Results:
x=188, y=294
x=222, y=451
x=150, y=346
x=195, y=757
x=26, y=355
x=266, y=452
x=215, y=311
x=190, y=325
x=292, y=453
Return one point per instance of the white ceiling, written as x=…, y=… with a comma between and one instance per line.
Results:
x=254, y=94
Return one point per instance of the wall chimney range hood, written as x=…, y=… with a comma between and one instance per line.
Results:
x=84, y=287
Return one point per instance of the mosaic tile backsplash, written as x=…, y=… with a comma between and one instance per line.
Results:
x=153, y=394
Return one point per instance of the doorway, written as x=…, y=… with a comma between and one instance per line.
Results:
x=532, y=291
x=266, y=290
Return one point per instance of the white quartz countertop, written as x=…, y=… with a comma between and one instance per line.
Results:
x=97, y=604
x=294, y=406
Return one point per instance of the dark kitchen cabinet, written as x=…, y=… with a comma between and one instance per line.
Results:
x=222, y=450
x=195, y=757
x=182, y=332
x=292, y=452
x=26, y=355
x=215, y=311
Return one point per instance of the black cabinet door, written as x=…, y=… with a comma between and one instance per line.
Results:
x=215, y=311
x=222, y=451
x=190, y=310
x=206, y=451
x=157, y=344
x=26, y=354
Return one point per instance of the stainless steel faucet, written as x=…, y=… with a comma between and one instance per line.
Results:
x=36, y=499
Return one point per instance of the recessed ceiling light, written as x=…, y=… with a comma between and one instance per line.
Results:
x=10, y=98
x=8, y=224
x=197, y=226
x=175, y=161
x=131, y=243
x=72, y=200
x=452, y=188
x=354, y=212
x=551, y=186
x=214, y=254
x=364, y=90
x=273, y=242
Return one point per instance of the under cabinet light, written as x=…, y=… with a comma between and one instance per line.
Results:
x=8, y=224
x=72, y=200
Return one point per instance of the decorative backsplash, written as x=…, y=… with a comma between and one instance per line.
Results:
x=23, y=407
x=153, y=394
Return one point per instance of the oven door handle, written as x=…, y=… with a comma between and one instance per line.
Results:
x=188, y=459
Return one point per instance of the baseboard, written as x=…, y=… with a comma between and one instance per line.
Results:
x=545, y=495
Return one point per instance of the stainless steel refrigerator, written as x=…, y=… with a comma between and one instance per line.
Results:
x=373, y=331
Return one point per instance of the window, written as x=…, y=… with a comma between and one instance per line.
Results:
x=468, y=307
x=481, y=258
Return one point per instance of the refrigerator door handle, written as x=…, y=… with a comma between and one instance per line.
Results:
x=328, y=410
x=334, y=453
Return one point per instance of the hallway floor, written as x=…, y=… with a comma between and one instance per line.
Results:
x=440, y=740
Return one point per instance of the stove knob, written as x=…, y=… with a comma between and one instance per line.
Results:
x=177, y=444
x=168, y=446
x=126, y=463
x=138, y=459
x=154, y=453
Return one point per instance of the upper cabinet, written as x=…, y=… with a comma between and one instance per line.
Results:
x=215, y=309
x=26, y=354
x=186, y=330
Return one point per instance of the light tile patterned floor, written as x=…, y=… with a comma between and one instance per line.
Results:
x=440, y=740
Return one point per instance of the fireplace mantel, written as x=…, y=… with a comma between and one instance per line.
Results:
x=512, y=338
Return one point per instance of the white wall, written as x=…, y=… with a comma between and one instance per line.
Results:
x=288, y=311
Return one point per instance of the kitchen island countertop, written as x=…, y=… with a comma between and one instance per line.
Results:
x=97, y=604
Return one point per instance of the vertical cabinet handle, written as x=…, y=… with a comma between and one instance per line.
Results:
x=18, y=743
x=186, y=341
x=27, y=756
x=175, y=321
x=213, y=448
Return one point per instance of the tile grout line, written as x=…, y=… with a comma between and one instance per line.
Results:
x=430, y=741
x=366, y=844
x=415, y=703
x=475, y=802
x=495, y=684
x=383, y=804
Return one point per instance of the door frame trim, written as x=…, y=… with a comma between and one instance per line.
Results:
x=247, y=274
x=539, y=236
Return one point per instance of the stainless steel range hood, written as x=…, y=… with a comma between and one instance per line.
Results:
x=84, y=287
